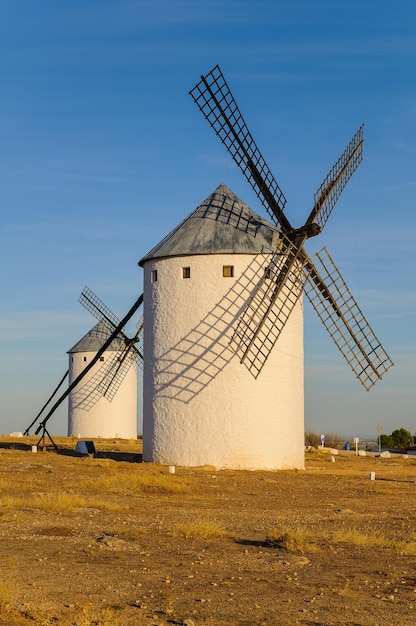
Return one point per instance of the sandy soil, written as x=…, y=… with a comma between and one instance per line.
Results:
x=113, y=541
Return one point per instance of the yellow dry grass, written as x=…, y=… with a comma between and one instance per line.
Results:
x=355, y=537
x=201, y=527
x=64, y=502
x=140, y=481
x=303, y=540
x=298, y=539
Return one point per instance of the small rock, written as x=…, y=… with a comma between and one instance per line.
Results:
x=112, y=542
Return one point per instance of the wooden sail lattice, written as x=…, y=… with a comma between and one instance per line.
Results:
x=275, y=294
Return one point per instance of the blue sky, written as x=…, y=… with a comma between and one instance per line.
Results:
x=103, y=152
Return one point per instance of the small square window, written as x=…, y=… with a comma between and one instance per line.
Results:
x=186, y=272
x=85, y=359
x=154, y=276
x=101, y=358
x=228, y=271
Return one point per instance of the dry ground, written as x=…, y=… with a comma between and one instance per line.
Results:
x=112, y=541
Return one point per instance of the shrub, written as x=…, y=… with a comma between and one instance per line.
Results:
x=312, y=439
x=297, y=539
x=332, y=440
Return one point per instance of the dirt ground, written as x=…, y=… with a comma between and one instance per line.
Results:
x=112, y=541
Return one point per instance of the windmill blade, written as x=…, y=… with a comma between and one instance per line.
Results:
x=115, y=377
x=109, y=377
x=87, y=395
x=333, y=185
x=120, y=365
x=343, y=319
x=116, y=373
x=106, y=381
x=94, y=305
x=269, y=308
x=138, y=341
x=215, y=100
x=103, y=330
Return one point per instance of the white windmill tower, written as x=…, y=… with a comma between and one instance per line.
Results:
x=105, y=403
x=224, y=288
x=200, y=406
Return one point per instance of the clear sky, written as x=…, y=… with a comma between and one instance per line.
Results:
x=103, y=152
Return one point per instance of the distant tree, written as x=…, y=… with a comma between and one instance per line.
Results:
x=386, y=441
x=400, y=438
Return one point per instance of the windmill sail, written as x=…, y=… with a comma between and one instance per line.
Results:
x=343, y=319
x=94, y=305
x=215, y=100
x=269, y=308
x=105, y=382
x=334, y=183
x=109, y=377
x=275, y=296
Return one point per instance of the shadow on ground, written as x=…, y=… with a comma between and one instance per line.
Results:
x=114, y=455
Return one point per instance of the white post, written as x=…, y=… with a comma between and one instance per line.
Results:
x=356, y=441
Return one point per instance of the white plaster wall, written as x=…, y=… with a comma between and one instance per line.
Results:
x=200, y=405
x=117, y=418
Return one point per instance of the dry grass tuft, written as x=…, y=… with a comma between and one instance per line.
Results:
x=198, y=527
x=301, y=539
x=63, y=502
x=160, y=483
x=355, y=537
x=10, y=502
x=105, y=617
x=297, y=539
x=57, y=502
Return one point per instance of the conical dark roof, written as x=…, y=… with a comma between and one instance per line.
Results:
x=95, y=338
x=222, y=224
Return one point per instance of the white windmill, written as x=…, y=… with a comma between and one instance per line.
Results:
x=102, y=366
x=104, y=404
x=224, y=288
x=90, y=413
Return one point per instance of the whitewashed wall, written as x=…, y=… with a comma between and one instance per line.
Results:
x=117, y=418
x=200, y=405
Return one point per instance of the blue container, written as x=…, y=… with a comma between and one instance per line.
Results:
x=347, y=446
